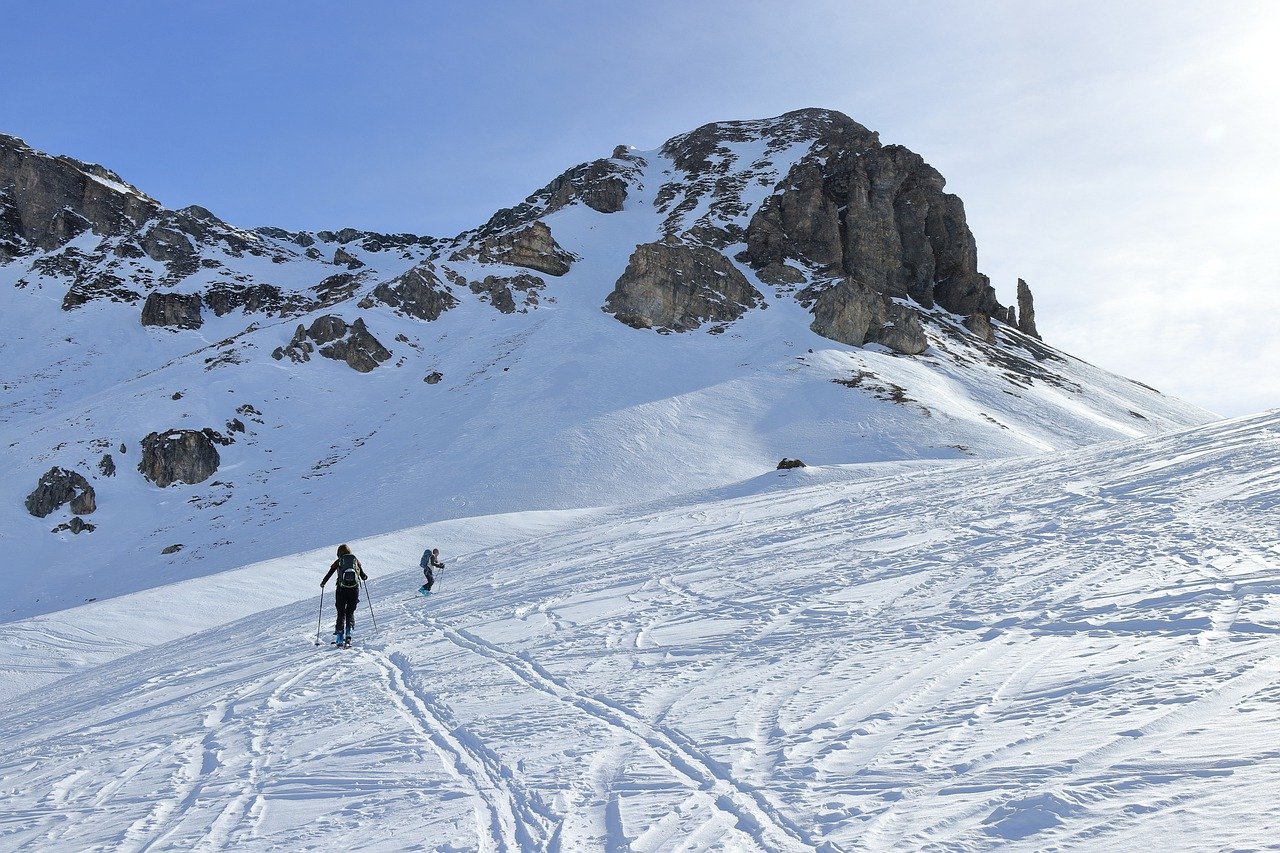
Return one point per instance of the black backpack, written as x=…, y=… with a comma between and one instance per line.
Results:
x=348, y=577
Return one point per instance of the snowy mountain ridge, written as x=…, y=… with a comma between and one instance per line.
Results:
x=182, y=396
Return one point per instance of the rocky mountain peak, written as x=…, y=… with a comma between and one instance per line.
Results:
x=45, y=201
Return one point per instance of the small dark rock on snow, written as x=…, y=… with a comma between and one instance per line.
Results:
x=788, y=464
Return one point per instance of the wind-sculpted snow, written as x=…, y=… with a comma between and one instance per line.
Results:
x=1075, y=650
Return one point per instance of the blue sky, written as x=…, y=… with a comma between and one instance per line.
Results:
x=1121, y=157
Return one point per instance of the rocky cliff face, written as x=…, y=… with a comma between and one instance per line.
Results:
x=875, y=213
x=673, y=287
x=46, y=201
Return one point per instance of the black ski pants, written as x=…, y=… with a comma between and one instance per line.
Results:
x=431, y=579
x=346, y=600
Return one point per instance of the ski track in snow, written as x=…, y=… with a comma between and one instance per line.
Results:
x=1079, y=651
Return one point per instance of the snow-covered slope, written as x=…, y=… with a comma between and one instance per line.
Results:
x=1074, y=650
x=554, y=406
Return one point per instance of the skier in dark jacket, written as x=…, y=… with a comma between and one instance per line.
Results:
x=430, y=560
x=346, y=593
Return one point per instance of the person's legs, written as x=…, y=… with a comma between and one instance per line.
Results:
x=351, y=614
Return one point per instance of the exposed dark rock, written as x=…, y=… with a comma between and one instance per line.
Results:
x=181, y=455
x=343, y=258
x=338, y=288
x=780, y=274
x=359, y=349
x=107, y=465
x=60, y=486
x=852, y=313
x=235, y=425
x=799, y=221
x=172, y=549
x=673, y=287
x=76, y=525
x=980, y=325
x=874, y=212
x=788, y=464
x=434, y=377
x=498, y=290
x=123, y=449
x=335, y=339
x=327, y=329
x=532, y=247
x=49, y=200
x=602, y=185
x=98, y=285
x=172, y=310
x=419, y=293
x=225, y=297
x=1026, y=311
x=298, y=350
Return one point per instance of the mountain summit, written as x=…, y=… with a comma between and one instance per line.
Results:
x=182, y=395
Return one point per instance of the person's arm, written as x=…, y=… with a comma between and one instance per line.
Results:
x=333, y=568
x=435, y=562
x=360, y=569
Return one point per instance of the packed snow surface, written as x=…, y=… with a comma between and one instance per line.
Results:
x=1072, y=650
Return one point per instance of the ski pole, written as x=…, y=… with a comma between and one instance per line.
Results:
x=369, y=598
x=320, y=615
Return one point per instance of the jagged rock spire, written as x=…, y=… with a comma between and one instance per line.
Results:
x=1026, y=311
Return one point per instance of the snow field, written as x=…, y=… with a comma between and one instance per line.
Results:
x=1075, y=650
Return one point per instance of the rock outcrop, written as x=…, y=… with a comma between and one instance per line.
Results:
x=1026, y=311
x=181, y=455
x=76, y=525
x=852, y=313
x=258, y=298
x=531, y=247
x=60, y=486
x=172, y=310
x=602, y=185
x=669, y=286
x=48, y=200
x=980, y=325
x=500, y=291
x=877, y=213
x=343, y=258
x=333, y=338
x=418, y=293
